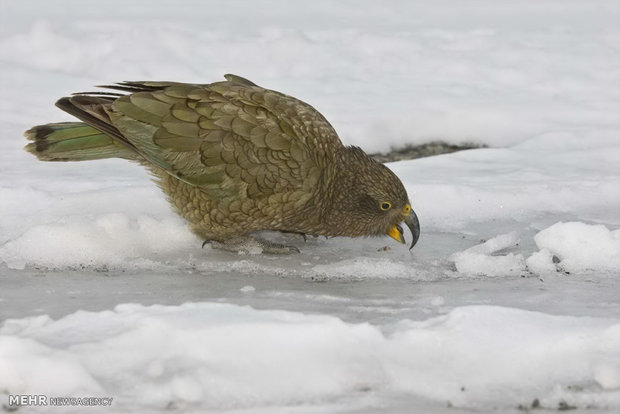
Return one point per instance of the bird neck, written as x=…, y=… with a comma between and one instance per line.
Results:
x=342, y=187
x=347, y=167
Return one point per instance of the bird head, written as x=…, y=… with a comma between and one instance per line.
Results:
x=370, y=200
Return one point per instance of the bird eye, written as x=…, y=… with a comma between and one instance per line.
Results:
x=386, y=205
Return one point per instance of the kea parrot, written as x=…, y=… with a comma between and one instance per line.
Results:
x=233, y=159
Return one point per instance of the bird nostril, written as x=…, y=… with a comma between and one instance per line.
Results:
x=407, y=209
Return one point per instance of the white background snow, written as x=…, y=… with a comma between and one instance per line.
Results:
x=512, y=294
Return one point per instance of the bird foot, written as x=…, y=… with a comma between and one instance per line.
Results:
x=304, y=235
x=251, y=245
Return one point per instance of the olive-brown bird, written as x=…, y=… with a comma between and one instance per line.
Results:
x=234, y=158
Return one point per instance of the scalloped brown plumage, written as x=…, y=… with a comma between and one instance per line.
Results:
x=234, y=158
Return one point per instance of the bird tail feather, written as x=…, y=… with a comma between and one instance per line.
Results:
x=73, y=141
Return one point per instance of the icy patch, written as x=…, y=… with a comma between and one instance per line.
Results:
x=363, y=267
x=479, y=260
x=221, y=356
x=103, y=241
x=576, y=247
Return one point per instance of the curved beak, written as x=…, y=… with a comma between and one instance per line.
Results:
x=396, y=231
x=414, y=225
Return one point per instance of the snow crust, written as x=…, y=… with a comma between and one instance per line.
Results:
x=478, y=260
x=577, y=247
x=573, y=247
x=214, y=356
x=119, y=239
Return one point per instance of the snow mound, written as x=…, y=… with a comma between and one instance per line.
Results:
x=221, y=356
x=479, y=260
x=102, y=241
x=576, y=247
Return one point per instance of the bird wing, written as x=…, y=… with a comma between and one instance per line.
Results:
x=230, y=138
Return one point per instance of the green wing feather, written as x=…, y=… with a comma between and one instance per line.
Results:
x=233, y=139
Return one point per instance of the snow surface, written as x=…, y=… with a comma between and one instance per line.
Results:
x=579, y=247
x=511, y=295
x=162, y=356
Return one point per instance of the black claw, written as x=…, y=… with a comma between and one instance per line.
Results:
x=204, y=243
x=295, y=232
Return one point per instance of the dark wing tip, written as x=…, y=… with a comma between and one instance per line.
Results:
x=239, y=79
